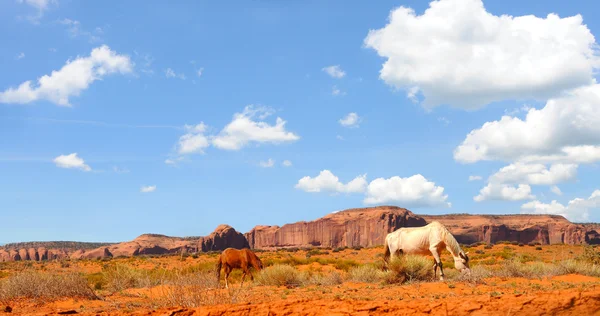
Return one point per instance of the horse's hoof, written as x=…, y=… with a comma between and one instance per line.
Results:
x=442, y=279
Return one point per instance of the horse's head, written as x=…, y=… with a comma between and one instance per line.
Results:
x=461, y=263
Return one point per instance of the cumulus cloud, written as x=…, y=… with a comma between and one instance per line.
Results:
x=248, y=127
x=193, y=142
x=334, y=71
x=577, y=209
x=326, y=181
x=148, y=189
x=556, y=190
x=170, y=73
x=74, y=77
x=71, y=161
x=460, y=54
x=286, y=163
x=475, y=178
x=503, y=192
x=536, y=174
x=350, y=120
x=267, y=164
x=566, y=130
x=413, y=191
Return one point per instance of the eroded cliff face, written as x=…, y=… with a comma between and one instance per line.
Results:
x=148, y=244
x=353, y=227
x=545, y=229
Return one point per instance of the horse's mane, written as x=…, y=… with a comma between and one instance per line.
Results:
x=451, y=242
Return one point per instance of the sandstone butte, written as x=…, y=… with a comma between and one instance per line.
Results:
x=354, y=227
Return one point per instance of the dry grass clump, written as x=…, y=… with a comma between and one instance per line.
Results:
x=514, y=268
x=199, y=289
x=366, y=274
x=409, y=268
x=280, y=275
x=119, y=277
x=478, y=273
x=579, y=267
x=333, y=278
x=36, y=285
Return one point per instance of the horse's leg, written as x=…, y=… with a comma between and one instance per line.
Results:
x=243, y=277
x=435, y=266
x=227, y=271
x=436, y=256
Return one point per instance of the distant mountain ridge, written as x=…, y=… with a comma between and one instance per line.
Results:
x=348, y=228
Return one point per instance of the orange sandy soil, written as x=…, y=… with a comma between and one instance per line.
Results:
x=561, y=295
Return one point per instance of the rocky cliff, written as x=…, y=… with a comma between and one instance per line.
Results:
x=353, y=227
x=223, y=237
x=522, y=228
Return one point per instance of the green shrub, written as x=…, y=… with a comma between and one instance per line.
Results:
x=280, y=275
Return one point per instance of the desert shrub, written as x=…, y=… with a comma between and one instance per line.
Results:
x=280, y=275
x=35, y=285
x=478, y=273
x=590, y=255
x=409, y=268
x=357, y=247
x=333, y=278
x=538, y=248
x=578, y=267
x=479, y=252
x=314, y=252
x=345, y=265
x=488, y=246
x=514, y=243
x=521, y=244
x=366, y=273
x=514, y=268
x=198, y=289
x=119, y=277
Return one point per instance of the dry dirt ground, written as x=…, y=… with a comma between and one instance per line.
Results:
x=136, y=286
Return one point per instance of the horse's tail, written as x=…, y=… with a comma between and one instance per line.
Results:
x=386, y=255
x=218, y=268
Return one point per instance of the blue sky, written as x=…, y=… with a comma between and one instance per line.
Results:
x=174, y=118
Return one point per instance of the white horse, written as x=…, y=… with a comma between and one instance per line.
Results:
x=429, y=239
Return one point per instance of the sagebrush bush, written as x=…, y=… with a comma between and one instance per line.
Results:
x=332, y=278
x=198, y=289
x=36, y=285
x=120, y=277
x=409, y=268
x=366, y=274
x=280, y=275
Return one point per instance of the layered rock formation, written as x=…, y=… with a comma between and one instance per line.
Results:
x=545, y=229
x=148, y=244
x=349, y=228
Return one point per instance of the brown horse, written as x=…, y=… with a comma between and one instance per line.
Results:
x=238, y=259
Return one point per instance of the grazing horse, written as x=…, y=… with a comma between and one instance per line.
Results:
x=429, y=239
x=238, y=259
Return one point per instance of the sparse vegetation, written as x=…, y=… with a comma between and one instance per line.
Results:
x=280, y=275
x=37, y=285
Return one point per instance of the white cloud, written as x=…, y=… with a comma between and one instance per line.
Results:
x=457, y=53
x=244, y=129
x=340, y=137
x=193, y=142
x=336, y=91
x=148, y=189
x=475, y=178
x=556, y=190
x=577, y=209
x=350, y=120
x=566, y=130
x=536, y=174
x=199, y=72
x=71, y=161
x=327, y=181
x=334, y=71
x=414, y=191
x=20, y=56
x=75, y=30
x=173, y=161
x=170, y=73
x=444, y=120
x=40, y=6
x=74, y=77
x=267, y=164
x=286, y=163
x=503, y=192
